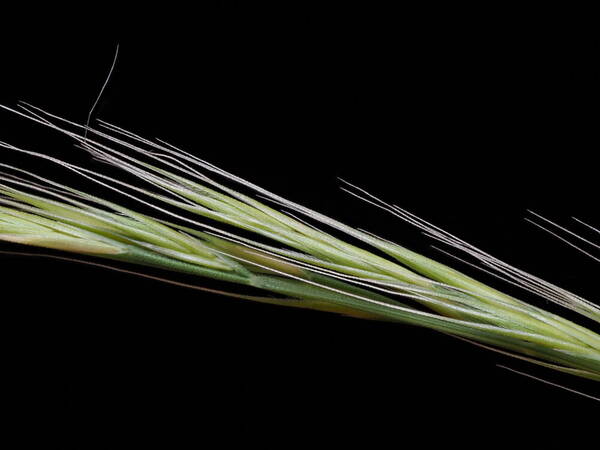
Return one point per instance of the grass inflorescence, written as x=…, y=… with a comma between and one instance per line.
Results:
x=203, y=226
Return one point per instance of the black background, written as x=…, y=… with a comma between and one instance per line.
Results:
x=467, y=123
